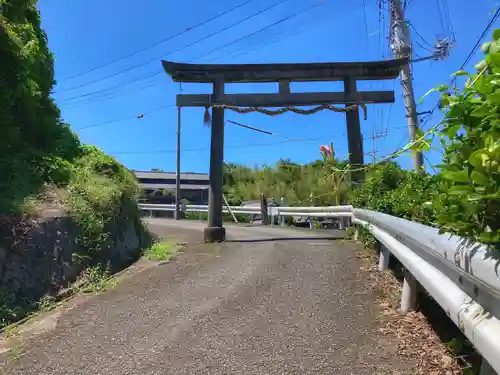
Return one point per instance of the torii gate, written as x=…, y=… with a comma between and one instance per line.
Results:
x=219, y=74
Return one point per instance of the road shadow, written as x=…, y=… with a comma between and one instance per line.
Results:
x=273, y=239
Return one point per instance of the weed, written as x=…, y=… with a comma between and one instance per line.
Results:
x=16, y=352
x=11, y=331
x=46, y=303
x=95, y=279
x=162, y=251
x=9, y=312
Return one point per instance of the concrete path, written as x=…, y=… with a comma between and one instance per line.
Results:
x=268, y=301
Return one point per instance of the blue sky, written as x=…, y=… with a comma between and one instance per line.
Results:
x=102, y=104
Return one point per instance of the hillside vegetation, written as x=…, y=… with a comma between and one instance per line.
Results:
x=39, y=151
x=43, y=165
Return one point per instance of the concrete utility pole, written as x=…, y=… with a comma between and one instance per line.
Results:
x=178, y=169
x=401, y=46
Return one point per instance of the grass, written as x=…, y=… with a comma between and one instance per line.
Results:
x=162, y=251
x=16, y=352
x=95, y=280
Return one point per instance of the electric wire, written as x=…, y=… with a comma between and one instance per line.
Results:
x=156, y=58
x=188, y=29
x=257, y=32
x=134, y=80
x=137, y=116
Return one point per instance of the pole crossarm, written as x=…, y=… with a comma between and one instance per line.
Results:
x=295, y=72
x=284, y=100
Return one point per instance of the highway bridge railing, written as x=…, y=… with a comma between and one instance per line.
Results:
x=463, y=278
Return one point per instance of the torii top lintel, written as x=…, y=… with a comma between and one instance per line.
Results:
x=231, y=73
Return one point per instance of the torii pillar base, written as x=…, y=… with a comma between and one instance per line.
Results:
x=214, y=234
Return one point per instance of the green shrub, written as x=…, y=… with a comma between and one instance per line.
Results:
x=99, y=193
x=469, y=200
x=390, y=189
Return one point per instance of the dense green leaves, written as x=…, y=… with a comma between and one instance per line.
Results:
x=468, y=203
x=36, y=145
x=394, y=191
x=39, y=152
x=316, y=183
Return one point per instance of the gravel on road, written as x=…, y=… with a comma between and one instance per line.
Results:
x=267, y=301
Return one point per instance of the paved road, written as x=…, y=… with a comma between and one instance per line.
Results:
x=268, y=301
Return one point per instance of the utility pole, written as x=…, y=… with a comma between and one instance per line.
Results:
x=178, y=169
x=401, y=46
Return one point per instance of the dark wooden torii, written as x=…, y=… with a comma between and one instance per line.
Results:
x=219, y=74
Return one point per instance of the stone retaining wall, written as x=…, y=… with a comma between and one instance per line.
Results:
x=37, y=256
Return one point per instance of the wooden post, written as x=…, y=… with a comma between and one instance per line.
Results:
x=354, y=137
x=263, y=210
x=215, y=232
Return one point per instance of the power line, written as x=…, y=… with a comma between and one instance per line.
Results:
x=366, y=26
x=126, y=118
x=191, y=28
x=420, y=36
x=265, y=39
x=258, y=31
x=448, y=16
x=111, y=95
x=166, y=151
x=150, y=75
x=155, y=59
x=423, y=47
x=469, y=57
x=130, y=81
x=480, y=39
x=288, y=35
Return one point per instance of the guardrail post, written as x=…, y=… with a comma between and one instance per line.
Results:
x=356, y=233
x=385, y=256
x=311, y=223
x=263, y=210
x=486, y=368
x=251, y=218
x=150, y=213
x=346, y=221
x=410, y=292
x=282, y=218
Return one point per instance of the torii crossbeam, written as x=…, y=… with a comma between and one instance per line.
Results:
x=283, y=74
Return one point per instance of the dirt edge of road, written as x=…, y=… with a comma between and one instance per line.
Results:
x=44, y=322
x=415, y=338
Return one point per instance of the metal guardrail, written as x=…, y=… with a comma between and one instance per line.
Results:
x=332, y=211
x=464, y=279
